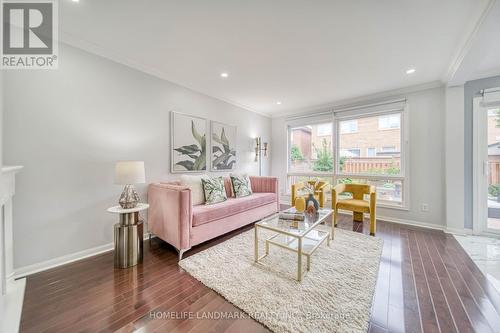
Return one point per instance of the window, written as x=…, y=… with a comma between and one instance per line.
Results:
x=493, y=112
x=311, y=148
x=352, y=149
x=389, y=149
x=388, y=144
x=371, y=152
x=392, y=121
x=325, y=129
x=351, y=152
x=350, y=126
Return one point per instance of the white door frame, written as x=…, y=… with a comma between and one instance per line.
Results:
x=480, y=166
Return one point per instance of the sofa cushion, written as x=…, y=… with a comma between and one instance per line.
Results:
x=241, y=185
x=194, y=183
x=214, y=189
x=354, y=205
x=205, y=214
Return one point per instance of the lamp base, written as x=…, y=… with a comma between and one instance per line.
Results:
x=129, y=197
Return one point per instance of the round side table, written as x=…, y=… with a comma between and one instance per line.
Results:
x=128, y=235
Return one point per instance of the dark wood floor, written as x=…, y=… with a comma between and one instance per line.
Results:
x=426, y=283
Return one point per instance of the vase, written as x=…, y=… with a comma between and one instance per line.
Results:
x=300, y=204
x=312, y=199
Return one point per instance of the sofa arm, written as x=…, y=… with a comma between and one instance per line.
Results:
x=266, y=185
x=170, y=214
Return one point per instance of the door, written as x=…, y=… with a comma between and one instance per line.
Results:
x=486, y=170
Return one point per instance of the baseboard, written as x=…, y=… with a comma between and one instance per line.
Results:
x=59, y=261
x=458, y=231
x=412, y=223
x=403, y=221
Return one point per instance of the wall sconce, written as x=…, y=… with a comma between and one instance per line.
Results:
x=260, y=147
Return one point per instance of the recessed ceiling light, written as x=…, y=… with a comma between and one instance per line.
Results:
x=410, y=71
x=75, y=0
x=278, y=102
x=224, y=75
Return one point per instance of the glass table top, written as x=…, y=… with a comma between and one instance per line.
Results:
x=298, y=228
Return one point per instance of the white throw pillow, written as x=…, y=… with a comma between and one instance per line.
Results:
x=194, y=183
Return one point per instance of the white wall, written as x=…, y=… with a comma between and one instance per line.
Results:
x=427, y=185
x=454, y=150
x=1, y=118
x=67, y=127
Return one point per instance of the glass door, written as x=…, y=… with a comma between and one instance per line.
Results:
x=486, y=167
x=493, y=169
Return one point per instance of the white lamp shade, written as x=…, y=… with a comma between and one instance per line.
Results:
x=129, y=172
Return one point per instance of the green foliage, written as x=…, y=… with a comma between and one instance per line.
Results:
x=296, y=154
x=195, y=152
x=324, y=155
x=494, y=190
x=342, y=163
x=224, y=158
x=498, y=117
x=389, y=171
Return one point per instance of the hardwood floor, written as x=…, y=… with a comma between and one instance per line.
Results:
x=426, y=283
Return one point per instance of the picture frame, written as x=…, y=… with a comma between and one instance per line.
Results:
x=188, y=143
x=223, y=146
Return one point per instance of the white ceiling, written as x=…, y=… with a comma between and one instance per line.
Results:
x=303, y=53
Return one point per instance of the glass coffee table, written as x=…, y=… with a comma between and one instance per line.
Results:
x=300, y=237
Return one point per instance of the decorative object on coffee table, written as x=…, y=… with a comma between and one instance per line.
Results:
x=310, y=187
x=128, y=235
x=300, y=204
x=129, y=173
x=303, y=189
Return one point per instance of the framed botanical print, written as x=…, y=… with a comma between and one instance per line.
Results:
x=222, y=146
x=188, y=142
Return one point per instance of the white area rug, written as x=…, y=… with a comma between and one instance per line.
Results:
x=334, y=296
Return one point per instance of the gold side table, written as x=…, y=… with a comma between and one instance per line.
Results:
x=128, y=235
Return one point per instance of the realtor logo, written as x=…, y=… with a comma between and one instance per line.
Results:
x=29, y=34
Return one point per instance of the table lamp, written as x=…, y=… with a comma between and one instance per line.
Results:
x=128, y=173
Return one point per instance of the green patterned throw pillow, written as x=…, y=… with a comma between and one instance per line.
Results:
x=241, y=185
x=214, y=190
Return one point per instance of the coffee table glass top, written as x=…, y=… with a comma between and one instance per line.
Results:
x=297, y=228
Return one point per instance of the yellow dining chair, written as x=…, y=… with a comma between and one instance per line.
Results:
x=358, y=205
x=319, y=191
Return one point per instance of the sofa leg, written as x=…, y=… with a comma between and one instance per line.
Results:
x=181, y=253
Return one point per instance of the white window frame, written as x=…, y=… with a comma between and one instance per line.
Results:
x=374, y=149
x=404, y=176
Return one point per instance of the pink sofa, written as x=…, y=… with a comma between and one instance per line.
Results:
x=173, y=218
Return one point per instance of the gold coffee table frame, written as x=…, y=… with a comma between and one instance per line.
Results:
x=300, y=237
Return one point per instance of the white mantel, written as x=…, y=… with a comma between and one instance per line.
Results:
x=11, y=290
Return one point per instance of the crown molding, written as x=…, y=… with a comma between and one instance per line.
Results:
x=466, y=45
x=103, y=52
x=395, y=93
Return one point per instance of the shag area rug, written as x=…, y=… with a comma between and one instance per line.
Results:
x=334, y=296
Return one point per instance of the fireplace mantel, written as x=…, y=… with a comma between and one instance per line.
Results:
x=11, y=290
